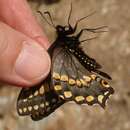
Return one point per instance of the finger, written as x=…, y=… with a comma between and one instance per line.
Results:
x=22, y=60
x=18, y=15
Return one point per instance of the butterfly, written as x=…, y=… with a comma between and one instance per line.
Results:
x=74, y=76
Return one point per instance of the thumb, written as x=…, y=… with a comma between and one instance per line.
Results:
x=22, y=60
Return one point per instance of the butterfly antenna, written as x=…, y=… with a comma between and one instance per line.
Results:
x=48, y=13
x=89, y=39
x=86, y=16
x=70, y=14
x=51, y=24
x=79, y=20
x=92, y=30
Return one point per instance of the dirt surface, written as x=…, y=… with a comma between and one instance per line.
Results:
x=111, y=49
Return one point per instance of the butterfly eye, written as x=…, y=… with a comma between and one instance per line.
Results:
x=59, y=29
x=66, y=28
x=105, y=83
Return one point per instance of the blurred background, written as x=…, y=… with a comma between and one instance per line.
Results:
x=111, y=50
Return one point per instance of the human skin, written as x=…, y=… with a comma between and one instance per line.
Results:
x=24, y=60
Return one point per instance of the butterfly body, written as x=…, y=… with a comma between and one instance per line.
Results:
x=71, y=44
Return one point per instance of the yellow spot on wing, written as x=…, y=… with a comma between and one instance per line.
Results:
x=42, y=105
x=41, y=90
x=47, y=103
x=61, y=96
x=89, y=98
x=36, y=93
x=71, y=50
x=56, y=76
x=24, y=109
x=100, y=98
x=93, y=76
x=64, y=78
x=31, y=96
x=30, y=108
x=87, y=78
x=106, y=93
x=78, y=83
x=57, y=87
x=83, y=82
x=71, y=81
x=79, y=98
x=25, y=100
x=105, y=84
x=20, y=111
x=35, y=107
x=68, y=94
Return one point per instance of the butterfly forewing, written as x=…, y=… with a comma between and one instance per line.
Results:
x=38, y=101
x=73, y=82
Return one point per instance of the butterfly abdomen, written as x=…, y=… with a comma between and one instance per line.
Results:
x=89, y=63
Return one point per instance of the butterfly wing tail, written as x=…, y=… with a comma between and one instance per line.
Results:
x=103, y=74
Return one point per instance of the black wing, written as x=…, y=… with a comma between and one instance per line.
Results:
x=38, y=101
x=73, y=82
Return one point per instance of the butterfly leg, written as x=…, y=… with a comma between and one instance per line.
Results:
x=93, y=30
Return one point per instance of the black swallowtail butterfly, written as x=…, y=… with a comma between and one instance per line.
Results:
x=74, y=76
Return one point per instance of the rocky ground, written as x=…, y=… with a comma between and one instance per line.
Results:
x=111, y=49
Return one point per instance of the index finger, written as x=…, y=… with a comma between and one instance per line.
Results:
x=18, y=15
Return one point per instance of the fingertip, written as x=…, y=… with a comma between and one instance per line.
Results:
x=24, y=62
x=32, y=64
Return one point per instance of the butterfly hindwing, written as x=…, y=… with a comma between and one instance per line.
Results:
x=73, y=82
x=38, y=101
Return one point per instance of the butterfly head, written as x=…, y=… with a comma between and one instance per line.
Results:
x=64, y=30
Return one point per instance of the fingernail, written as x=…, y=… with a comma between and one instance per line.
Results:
x=33, y=62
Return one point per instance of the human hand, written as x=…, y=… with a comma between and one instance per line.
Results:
x=24, y=60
